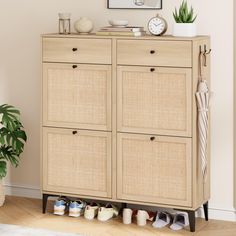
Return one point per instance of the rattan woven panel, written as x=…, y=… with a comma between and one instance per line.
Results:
x=154, y=170
x=77, y=162
x=154, y=100
x=77, y=96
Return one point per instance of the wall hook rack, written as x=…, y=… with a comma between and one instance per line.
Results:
x=204, y=53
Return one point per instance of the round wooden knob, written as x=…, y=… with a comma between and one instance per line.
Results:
x=152, y=138
x=74, y=132
x=74, y=66
x=152, y=69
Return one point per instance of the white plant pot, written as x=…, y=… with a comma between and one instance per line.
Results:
x=2, y=193
x=184, y=30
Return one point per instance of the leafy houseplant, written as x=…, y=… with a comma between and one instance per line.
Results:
x=184, y=21
x=12, y=140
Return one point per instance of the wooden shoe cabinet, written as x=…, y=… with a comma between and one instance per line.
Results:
x=119, y=120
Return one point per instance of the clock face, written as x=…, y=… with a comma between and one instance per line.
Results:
x=157, y=26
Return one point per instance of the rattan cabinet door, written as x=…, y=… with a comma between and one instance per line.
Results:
x=77, y=162
x=154, y=169
x=77, y=96
x=154, y=100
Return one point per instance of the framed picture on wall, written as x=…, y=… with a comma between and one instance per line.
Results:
x=134, y=4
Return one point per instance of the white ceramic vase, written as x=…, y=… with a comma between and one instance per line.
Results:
x=84, y=25
x=2, y=193
x=184, y=30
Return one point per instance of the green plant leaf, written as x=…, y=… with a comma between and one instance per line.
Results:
x=184, y=14
x=3, y=169
x=12, y=137
x=8, y=154
x=194, y=19
x=10, y=116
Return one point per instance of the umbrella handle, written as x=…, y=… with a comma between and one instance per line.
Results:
x=200, y=64
x=205, y=55
x=203, y=59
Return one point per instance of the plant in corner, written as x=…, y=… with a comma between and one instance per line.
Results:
x=12, y=141
x=184, y=21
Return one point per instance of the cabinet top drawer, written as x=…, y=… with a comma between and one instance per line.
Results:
x=77, y=50
x=154, y=53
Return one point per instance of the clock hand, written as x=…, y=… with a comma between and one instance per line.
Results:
x=157, y=24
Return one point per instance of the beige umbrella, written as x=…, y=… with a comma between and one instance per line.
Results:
x=203, y=102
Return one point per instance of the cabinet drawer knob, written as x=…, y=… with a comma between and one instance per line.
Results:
x=152, y=69
x=152, y=138
x=74, y=66
x=152, y=52
x=74, y=132
x=74, y=49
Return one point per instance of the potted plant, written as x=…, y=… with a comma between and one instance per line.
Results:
x=184, y=21
x=12, y=140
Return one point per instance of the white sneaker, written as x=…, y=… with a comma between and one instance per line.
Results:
x=91, y=211
x=107, y=212
x=60, y=206
x=76, y=208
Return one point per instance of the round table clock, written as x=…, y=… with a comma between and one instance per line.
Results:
x=157, y=26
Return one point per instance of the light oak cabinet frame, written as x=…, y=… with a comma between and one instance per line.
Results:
x=139, y=55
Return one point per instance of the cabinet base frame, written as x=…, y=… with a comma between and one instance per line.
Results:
x=191, y=213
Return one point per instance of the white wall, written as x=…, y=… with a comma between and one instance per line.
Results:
x=234, y=104
x=23, y=21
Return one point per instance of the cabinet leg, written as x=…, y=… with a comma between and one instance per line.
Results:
x=205, y=207
x=123, y=205
x=192, y=220
x=45, y=200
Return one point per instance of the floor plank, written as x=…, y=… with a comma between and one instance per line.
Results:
x=27, y=212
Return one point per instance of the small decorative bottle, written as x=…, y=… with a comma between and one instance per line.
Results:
x=64, y=23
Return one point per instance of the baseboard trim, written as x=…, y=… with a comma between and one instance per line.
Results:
x=219, y=214
x=34, y=192
x=22, y=191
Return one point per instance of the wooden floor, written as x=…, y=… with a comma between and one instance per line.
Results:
x=27, y=212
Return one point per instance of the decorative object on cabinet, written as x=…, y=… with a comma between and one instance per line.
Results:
x=184, y=25
x=134, y=4
x=118, y=23
x=157, y=25
x=84, y=25
x=128, y=105
x=120, y=28
x=12, y=141
x=64, y=23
